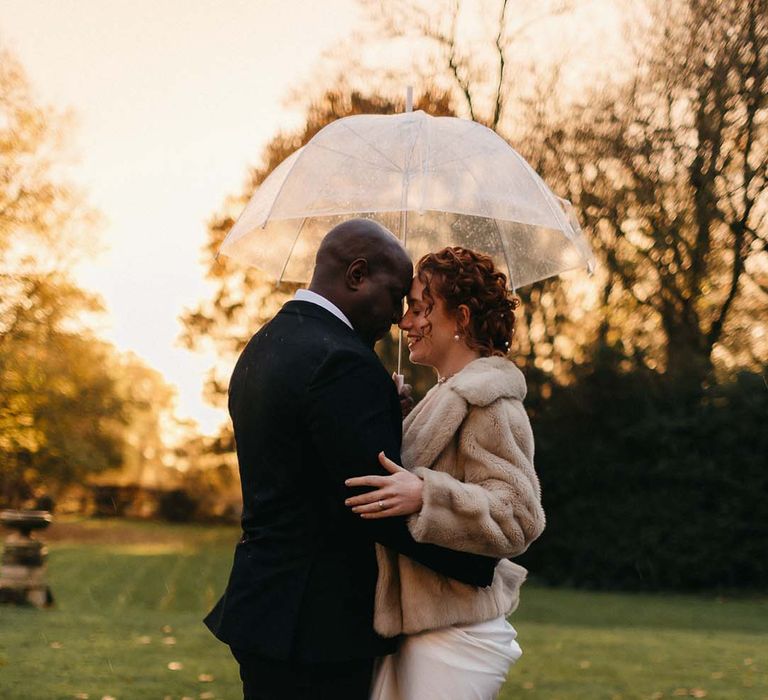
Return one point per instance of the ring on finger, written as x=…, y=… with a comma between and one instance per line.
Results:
x=381, y=505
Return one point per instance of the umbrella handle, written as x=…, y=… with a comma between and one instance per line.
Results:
x=403, y=224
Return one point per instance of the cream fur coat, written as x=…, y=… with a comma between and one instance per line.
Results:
x=470, y=440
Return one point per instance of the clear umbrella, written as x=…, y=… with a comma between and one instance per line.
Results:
x=433, y=181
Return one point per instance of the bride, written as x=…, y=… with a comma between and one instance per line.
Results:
x=469, y=485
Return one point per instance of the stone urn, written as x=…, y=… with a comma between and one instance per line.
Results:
x=23, y=568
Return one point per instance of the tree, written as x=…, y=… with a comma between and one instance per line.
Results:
x=470, y=50
x=60, y=414
x=670, y=170
x=148, y=403
x=68, y=401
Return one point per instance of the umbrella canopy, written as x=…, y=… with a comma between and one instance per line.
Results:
x=433, y=181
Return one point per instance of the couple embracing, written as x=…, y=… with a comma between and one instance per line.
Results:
x=374, y=560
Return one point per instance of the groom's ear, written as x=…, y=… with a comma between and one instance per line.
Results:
x=357, y=272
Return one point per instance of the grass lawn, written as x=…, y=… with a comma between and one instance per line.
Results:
x=130, y=597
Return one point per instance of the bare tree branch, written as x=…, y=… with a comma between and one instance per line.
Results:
x=502, y=64
x=453, y=62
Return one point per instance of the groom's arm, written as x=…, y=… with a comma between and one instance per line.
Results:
x=350, y=413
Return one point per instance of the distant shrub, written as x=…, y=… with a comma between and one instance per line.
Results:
x=648, y=489
x=112, y=500
x=177, y=506
x=204, y=494
x=215, y=491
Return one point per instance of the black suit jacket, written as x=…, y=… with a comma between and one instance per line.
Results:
x=312, y=406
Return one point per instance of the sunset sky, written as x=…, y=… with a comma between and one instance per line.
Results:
x=173, y=100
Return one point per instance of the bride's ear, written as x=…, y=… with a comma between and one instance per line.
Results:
x=463, y=317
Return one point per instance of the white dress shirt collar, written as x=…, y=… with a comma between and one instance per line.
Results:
x=315, y=298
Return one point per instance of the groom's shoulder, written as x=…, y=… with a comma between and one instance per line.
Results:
x=325, y=341
x=305, y=332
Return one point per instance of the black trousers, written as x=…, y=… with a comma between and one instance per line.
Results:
x=270, y=679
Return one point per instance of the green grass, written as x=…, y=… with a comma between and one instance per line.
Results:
x=129, y=602
x=125, y=591
x=580, y=645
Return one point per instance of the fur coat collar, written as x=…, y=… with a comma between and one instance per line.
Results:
x=436, y=419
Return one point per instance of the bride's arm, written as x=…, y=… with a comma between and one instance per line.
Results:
x=496, y=510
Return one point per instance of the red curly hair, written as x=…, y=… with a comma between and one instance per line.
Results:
x=462, y=276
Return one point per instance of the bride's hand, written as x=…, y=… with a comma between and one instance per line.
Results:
x=396, y=494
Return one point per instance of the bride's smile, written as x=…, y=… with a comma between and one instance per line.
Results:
x=433, y=331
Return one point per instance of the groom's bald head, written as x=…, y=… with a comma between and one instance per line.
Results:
x=363, y=269
x=358, y=238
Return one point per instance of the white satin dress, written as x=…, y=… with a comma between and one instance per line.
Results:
x=462, y=662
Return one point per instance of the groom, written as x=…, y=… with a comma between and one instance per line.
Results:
x=312, y=406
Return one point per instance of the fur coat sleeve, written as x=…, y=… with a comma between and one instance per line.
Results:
x=481, y=493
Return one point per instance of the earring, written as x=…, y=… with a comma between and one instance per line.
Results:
x=456, y=337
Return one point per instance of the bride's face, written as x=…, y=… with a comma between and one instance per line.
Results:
x=429, y=331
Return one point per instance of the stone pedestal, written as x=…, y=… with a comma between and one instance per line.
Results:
x=23, y=569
